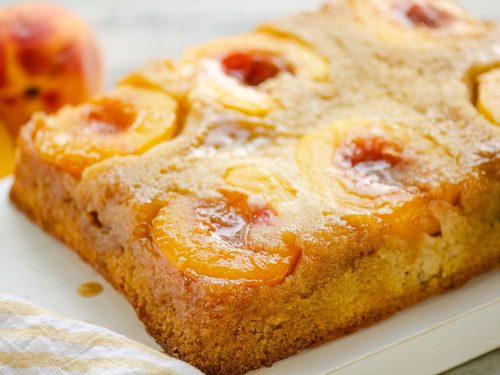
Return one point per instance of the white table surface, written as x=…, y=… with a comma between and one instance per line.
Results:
x=133, y=31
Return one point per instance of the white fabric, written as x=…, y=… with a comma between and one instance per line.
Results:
x=36, y=341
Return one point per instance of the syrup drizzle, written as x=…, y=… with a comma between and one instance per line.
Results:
x=230, y=221
x=368, y=164
x=89, y=289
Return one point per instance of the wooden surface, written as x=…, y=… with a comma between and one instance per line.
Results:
x=133, y=31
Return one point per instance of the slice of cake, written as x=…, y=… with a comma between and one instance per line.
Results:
x=276, y=190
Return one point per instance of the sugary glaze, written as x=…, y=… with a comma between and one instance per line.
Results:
x=323, y=120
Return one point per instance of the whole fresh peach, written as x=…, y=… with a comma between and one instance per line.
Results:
x=48, y=58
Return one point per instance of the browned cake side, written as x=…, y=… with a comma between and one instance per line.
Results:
x=359, y=259
x=231, y=330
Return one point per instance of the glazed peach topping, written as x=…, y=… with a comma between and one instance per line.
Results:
x=358, y=165
x=223, y=239
x=253, y=67
x=234, y=72
x=353, y=162
x=371, y=158
x=426, y=15
x=127, y=120
x=367, y=160
x=371, y=150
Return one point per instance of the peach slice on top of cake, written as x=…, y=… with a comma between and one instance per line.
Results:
x=369, y=167
x=422, y=21
x=488, y=95
x=230, y=238
x=127, y=120
x=234, y=71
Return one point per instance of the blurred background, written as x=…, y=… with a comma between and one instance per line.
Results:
x=131, y=32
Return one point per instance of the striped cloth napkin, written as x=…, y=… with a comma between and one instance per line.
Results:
x=37, y=341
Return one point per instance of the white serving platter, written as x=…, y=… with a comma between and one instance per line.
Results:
x=428, y=338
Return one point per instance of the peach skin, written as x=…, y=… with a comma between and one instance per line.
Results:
x=48, y=58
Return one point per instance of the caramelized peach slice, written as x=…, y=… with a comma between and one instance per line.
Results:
x=253, y=67
x=425, y=15
x=225, y=239
x=401, y=20
x=232, y=71
x=213, y=85
x=353, y=161
x=413, y=218
x=408, y=219
x=370, y=150
x=359, y=166
x=125, y=121
x=488, y=95
x=257, y=180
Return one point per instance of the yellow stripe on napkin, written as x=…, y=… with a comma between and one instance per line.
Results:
x=39, y=340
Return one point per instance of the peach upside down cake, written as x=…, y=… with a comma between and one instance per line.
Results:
x=275, y=190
